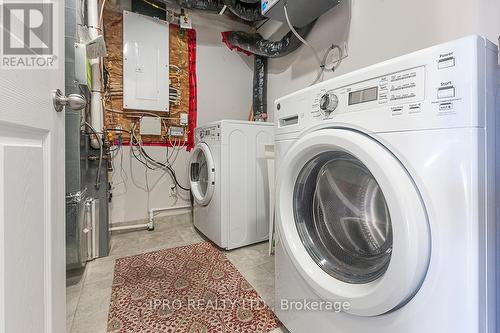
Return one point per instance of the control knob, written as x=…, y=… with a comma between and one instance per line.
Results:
x=328, y=103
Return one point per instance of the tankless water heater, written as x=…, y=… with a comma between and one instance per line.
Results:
x=300, y=12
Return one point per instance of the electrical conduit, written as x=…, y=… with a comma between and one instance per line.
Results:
x=96, y=114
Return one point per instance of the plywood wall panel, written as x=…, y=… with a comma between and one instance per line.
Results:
x=178, y=52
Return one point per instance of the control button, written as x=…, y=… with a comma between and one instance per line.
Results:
x=397, y=111
x=444, y=107
x=329, y=103
x=446, y=62
x=446, y=92
x=414, y=108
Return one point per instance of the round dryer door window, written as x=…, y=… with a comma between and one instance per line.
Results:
x=352, y=221
x=202, y=174
x=342, y=218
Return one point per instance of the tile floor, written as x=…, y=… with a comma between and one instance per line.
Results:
x=88, y=301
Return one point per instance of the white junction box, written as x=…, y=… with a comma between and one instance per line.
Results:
x=150, y=126
x=145, y=63
x=81, y=76
x=176, y=131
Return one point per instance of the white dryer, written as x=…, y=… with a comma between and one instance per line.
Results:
x=386, y=197
x=229, y=182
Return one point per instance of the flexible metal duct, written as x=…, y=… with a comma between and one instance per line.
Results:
x=260, y=89
x=207, y=5
x=246, y=10
x=256, y=44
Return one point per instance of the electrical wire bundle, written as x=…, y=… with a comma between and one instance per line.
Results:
x=146, y=160
x=175, y=75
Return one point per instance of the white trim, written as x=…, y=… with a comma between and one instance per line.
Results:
x=2, y=242
x=411, y=247
x=51, y=232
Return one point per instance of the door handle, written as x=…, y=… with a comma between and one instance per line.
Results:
x=74, y=101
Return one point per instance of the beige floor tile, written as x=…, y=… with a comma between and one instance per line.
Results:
x=100, y=269
x=262, y=281
x=94, y=323
x=94, y=298
x=269, y=266
x=127, y=245
x=249, y=257
x=72, y=299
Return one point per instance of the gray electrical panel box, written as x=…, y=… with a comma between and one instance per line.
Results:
x=300, y=12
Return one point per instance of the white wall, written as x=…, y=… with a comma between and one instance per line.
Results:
x=381, y=30
x=224, y=92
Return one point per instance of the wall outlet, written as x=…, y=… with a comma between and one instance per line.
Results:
x=184, y=120
x=173, y=191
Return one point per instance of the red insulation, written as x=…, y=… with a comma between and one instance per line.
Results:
x=193, y=88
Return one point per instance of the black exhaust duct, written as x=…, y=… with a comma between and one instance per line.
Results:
x=260, y=89
x=256, y=44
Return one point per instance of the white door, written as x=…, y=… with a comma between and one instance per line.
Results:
x=202, y=174
x=352, y=221
x=32, y=245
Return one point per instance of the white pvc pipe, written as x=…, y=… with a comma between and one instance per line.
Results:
x=129, y=227
x=152, y=212
x=150, y=225
x=96, y=114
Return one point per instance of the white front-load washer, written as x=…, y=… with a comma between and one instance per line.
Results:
x=386, y=197
x=229, y=182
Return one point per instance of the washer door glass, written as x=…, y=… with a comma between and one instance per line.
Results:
x=342, y=218
x=199, y=173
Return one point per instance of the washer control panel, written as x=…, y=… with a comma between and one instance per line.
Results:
x=208, y=133
x=391, y=90
x=451, y=85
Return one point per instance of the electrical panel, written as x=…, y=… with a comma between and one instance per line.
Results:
x=300, y=12
x=145, y=63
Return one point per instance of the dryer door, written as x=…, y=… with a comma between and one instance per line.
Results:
x=352, y=221
x=202, y=174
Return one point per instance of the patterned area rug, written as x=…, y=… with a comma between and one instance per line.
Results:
x=189, y=289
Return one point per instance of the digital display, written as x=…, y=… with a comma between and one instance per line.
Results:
x=363, y=96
